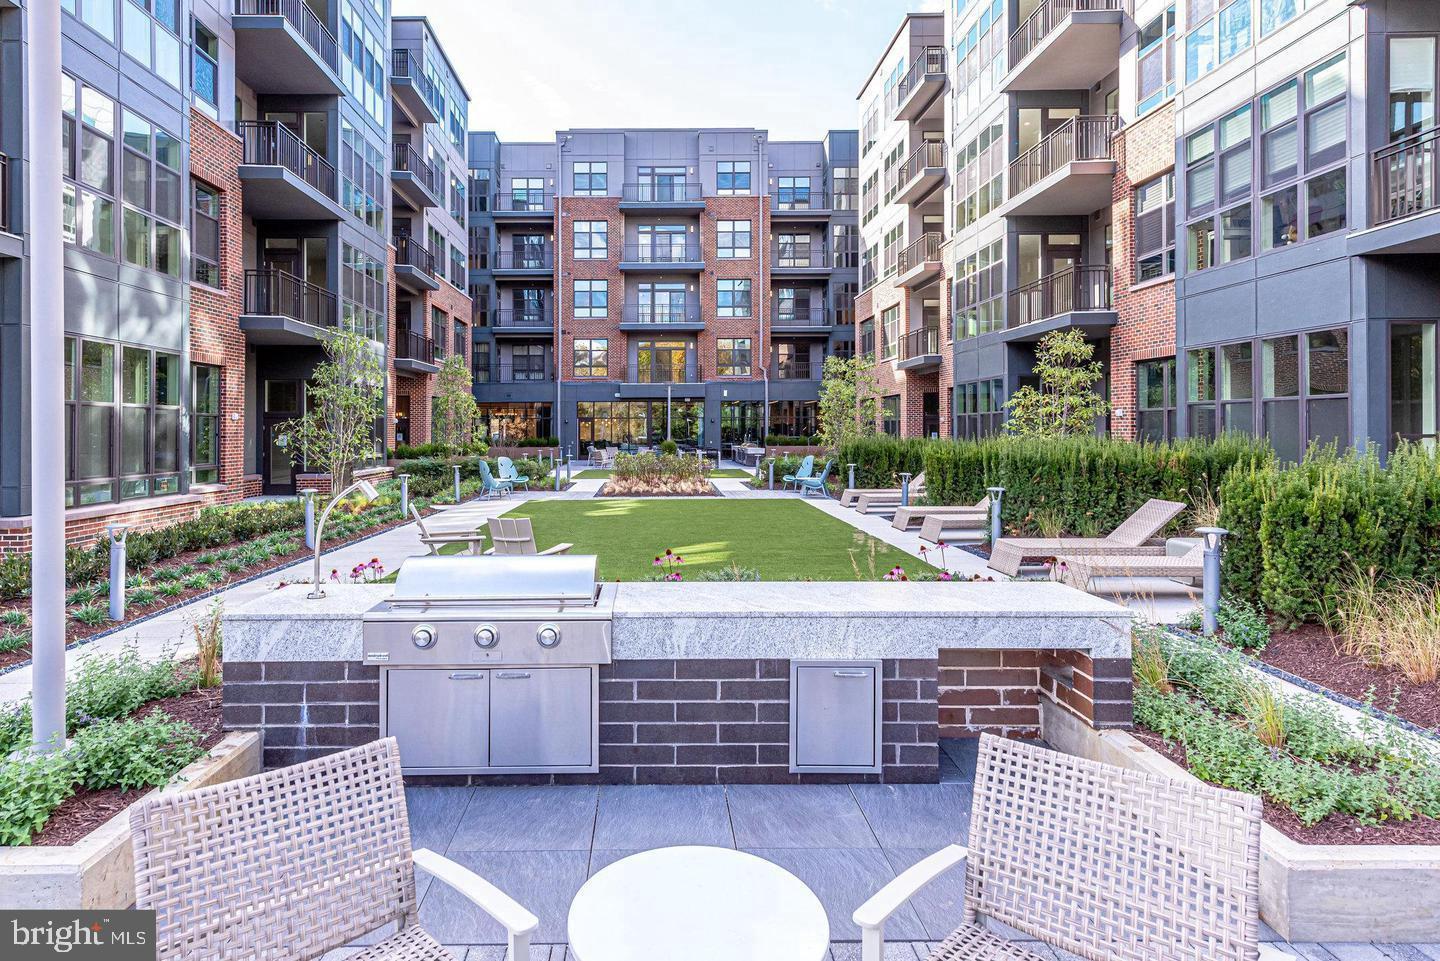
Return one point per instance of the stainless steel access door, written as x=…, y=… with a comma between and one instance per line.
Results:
x=544, y=718
x=835, y=716
x=439, y=716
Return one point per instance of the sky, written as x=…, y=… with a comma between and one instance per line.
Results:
x=792, y=67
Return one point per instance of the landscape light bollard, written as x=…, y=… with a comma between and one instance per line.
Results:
x=772, y=475
x=1210, y=585
x=555, y=466
x=568, y=459
x=904, y=490
x=457, y=483
x=852, y=476
x=997, y=494
x=309, y=496
x=404, y=495
x=117, y=570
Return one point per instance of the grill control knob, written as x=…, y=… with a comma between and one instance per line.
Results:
x=486, y=637
x=423, y=636
x=548, y=636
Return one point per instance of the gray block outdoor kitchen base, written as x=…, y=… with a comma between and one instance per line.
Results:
x=698, y=691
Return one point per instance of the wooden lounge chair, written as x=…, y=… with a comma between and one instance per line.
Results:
x=1132, y=536
x=1095, y=861
x=880, y=496
x=298, y=861
x=815, y=485
x=438, y=539
x=805, y=470
x=1079, y=571
x=912, y=516
x=515, y=535
x=935, y=525
x=509, y=473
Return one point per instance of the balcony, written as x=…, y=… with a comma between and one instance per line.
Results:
x=415, y=353
x=1065, y=45
x=684, y=316
x=1068, y=173
x=524, y=206
x=283, y=177
x=509, y=372
x=1074, y=298
x=919, y=350
x=282, y=47
x=918, y=92
x=919, y=263
x=534, y=261
x=660, y=256
x=414, y=265
x=659, y=379
x=802, y=318
x=280, y=309
x=799, y=259
x=677, y=196
x=533, y=321
x=922, y=173
x=1404, y=178
x=794, y=368
x=411, y=89
x=801, y=204
x=415, y=180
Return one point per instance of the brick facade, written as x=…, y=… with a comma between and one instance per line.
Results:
x=568, y=270
x=1145, y=324
x=911, y=386
x=998, y=692
x=756, y=327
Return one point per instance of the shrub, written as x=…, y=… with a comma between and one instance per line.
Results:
x=31, y=787
x=790, y=440
x=879, y=461
x=730, y=572
x=536, y=442
x=669, y=447
x=658, y=474
x=134, y=753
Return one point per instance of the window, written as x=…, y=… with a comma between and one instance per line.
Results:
x=1219, y=29
x=592, y=178
x=1279, y=219
x=845, y=188
x=732, y=239
x=1280, y=394
x=1412, y=384
x=205, y=64
x=362, y=294
x=732, y=298
x=792, y=193
x=527, y=193
x=1201, y=245
x=890, y=332
x=88, y=132
x=663, y=303
x=1155, y=399
x=1234, y=235
x=732, y=177
x=1325, y=114
x=1412, y=85
x=204, y=424
x=204, y=234
x=979, y=292
x=1325, y=203
x=98, y=15
x=1274, y=14
x=528, y=362
x=1327, y=387
x=1155, y=65
x=890, y=415
x=867, y=338
x=979, y=408
x=1237, y=387
x=1279, y=137
x=592, y=357
x=592, y=298
x=1200, y=392
x=154, y=42
x=591, y=239
x=1155, y=228
x=732, y=356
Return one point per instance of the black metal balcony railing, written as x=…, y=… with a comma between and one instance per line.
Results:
x=929, y=64
x=414, y=346
x=405, y=158
x=1079, y=138
x=799, y=255
x=310, y=27
x=509, y=372
x=920, y=343
x=685, y=312
x=524, y=258
x=662, y=252
x=656, y=372
x=272, y=292
x=799, y=315
x=795, y=368
x=929, y=154
x=660, y=192
x=923, y=249
x=269, y=143
x=1049, y=15
x=1405, y=175
x=539, y=317
x=404, y=63
x=4, y=192
x=524, y=200
x=411, y=252
x=1074, y=288
x=814, y=197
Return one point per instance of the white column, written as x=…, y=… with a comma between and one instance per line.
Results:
x=47, y=399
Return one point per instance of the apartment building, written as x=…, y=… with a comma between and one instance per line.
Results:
x=228, y=200
x=633, y=285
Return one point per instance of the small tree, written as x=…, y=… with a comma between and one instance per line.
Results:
x=849, y=401
x=455, y=407
x=343, y=401
x=1065, y=403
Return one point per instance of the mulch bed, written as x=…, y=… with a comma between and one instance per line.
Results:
x=85, y=811
x=604, y=492
x=1335, y=829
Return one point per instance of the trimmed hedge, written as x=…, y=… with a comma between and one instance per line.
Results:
x=879, y=461
x=430, y=476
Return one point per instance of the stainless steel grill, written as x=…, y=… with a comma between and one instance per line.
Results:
x=490, y=665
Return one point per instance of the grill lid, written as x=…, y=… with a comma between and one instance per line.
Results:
x=465, y=579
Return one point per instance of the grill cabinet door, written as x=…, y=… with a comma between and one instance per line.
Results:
x=540, y=717
x=440, y=717
x=835, y=716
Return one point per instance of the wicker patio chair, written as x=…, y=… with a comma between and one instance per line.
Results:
x=295, y=862
x=1131, y=536
x=880, y=496
x=1109, y=864
x=1079, y=571
x=516, y=535
x=913, y=515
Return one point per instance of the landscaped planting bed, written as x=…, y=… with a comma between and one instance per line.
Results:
x=657, y=475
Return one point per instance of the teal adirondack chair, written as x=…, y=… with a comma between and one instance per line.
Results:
x=815, y=485
x=490, y=485
x=508, y=472
x=806, y=469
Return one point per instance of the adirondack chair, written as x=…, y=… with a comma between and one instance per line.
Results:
x=435, y=540
x=815, y=485
x=491, y=486
x=516, y=535
x=508, y=472
x=805, y=471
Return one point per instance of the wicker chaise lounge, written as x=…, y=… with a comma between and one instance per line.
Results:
x=1095, y=860
x=912, y=516
x=1079, y=571
x=880, y=496
x=298, y=861
x=1132, y=536
x=935, y=525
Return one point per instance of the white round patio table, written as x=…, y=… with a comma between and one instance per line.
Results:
x=696, y=904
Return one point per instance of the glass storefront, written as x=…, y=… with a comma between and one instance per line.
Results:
x=640, y=422
x=504, y=424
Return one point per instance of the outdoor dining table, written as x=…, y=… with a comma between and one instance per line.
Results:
x=696, y=903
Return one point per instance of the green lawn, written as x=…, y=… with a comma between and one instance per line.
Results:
x=729, y=472
x=783, y=540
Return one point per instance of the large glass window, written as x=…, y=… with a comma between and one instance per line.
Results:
x=1219, y=29
x=732, y=356
x=732, y=298
x=732, y=177
x=1411, y=85
x=205, y=234
x=732, y=239
x=591, y=239
x=1274, y=14
x=1280, y=393
x=592, y=357
x=890, y=415
x=592, y=298
x=1327, y=387
x=151, y=194
x=890, y=333
x=204, y=424
x=1200, y=392
x=1155, y=396
x=1155, y=228
x=88, y=128
x=592, y=178
x=1155, y=62
x=1413, y=407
